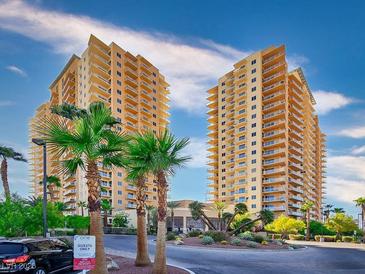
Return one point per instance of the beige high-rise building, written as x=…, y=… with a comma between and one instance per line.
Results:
x=137, y=95
x=266, y=147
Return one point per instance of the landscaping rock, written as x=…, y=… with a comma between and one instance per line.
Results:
x=111, y=264
x=178, y=242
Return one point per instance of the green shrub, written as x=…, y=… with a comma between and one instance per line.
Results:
x=235, y=241
x=327, y=238
x=217, y=236
x=296, y=237
x=131, y=231
x=347, y=239
x=77, y=222
x=207, y=240
x=252, y=244
x=258, y=238
x=200, y=236
x=170, y=236
x=194, y=233
x=264, y=243
x=247, y=235
x=274, y=236
x=224, y=242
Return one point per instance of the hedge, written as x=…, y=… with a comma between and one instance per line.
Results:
x=327, y=238
x=276, y=236
x=296, y=237
x=347, y=239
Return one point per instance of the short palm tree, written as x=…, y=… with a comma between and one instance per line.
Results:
x=52, y=182
x=162, y=157
x=89, y=141
x=197, y=212
x=306, y=207
x=5, y=154
x=106, y=207
x=219, y=207
x=360, y=202
x=61, y=206
x=33, y=200
x=82, y=205
x=240, y=208
x=172, y=205
x=265, y=216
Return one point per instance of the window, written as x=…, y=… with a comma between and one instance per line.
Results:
x=241, y=190
x=253, y=107
x=119, y=73
x=253, y=206
x=119, y=192
x=253, y=62
x=253, y=161
x=241, y=138
x=253, y=116
x=253, y=197
x=119, y=92
x=253, y=188
x=253, y=134
x=253, y=89
x=253, y=152
x=253, y=143
x=120, y=174
x=223, y=84
x=241, y=146
x=119, y=202
x=242, y=111
x=241, y=129
x=253, y=125
x=223, y=107
x=253, y=170
x=242, y=155
x=119, y=110
x=119, y=101
x=253, y=71
x=253, y=98
x=119, y=55
x=223, y=194
x=241, y=120
x=223, y=99
x=119, y=65
x=253, y=179
x=120, y=183
x=119, y=83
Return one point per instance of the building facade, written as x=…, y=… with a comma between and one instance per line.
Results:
x=265, y=145
x=134, y=90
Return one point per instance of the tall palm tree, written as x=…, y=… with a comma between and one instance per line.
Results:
x=5, y=154
x=89, y=141
x=338, y=210
x=52, y=181
x=306, y=207
x=327, y=211
x=197, y=212
x=265, y=216
x=240, y=208
x=219, y=207
x=172, y=205
x=162, y=157
x=106, y=207
x=360, y=202
x=149, y=209
x=82, y=205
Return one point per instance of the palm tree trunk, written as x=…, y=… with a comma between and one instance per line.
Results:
x=96, y=229
x=363, y=218
x=105, y=218
x=82, y=211
x=208, y=222
x=149, y=221
x=172, y=220
x=142, y=258
x=219, y=222
x=230, y=221
x=243, y=225
x=159, y=266
x=4, y=178
x=307, y=235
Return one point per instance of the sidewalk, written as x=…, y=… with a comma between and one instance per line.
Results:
x=328, y=244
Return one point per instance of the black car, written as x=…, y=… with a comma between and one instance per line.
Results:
x=36, y=256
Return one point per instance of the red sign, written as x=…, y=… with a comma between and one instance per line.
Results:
x=84, y=263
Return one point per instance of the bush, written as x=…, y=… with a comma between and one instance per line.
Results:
x=235, y=241
x=274, y=236
x=77, y=222
x=120, y=220
x=264, y=243
x=296, y=237
x=207, y=240
x=252, y=244
x=194, y=233
x=170, y=236
x=258, y=238
x=347, y=239
x=201, y=236
x=224, y=242
x=131, y=231
x=217, y=236
x=327, y=238
x=247, y=235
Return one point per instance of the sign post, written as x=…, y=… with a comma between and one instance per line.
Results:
x=84, y=252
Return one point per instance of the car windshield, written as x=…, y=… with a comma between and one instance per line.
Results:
x=11, y=248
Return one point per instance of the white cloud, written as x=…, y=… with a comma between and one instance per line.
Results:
x=190, y=69
x=295, y=61
x=6, y=103
x=345, y=190
x=330, y=100
x=16, y=70
x=358, y=150
x=354, y=132
x=197, y=149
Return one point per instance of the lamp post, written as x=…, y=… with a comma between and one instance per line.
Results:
x=41, y=142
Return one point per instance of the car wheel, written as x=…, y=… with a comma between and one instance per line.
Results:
x=40, y=270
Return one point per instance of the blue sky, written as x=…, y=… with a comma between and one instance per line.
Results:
x=193, y=43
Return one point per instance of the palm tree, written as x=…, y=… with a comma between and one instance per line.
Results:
x=149, y=209
x=161, y=158
x=360, y=202
x=82, y=205
x=106, y=207
x=5, y=154
x=172, y=205
x=219, y=207
x=34, y=200
x=338, y=210
x=239, y=208
x=197, y=212
x=327, y=211
x=265, y=216
x=306, y=207
x=61, y=206
x=90, y=140
x=68, y=111
x=52, y=181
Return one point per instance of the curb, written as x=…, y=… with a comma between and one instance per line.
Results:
x=116, y=252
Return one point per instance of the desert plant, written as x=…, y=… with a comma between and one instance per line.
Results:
x=258, y=238
x=219, y=207
x=217, y=236
x=252, y=244
x=247, y=235
x=207, y=240
x=224, y=242
x=347, y=239
x=170, y=236
x=194, y=233
x=360, y=202
x=296, y=237
x=172, y=205
x=235, y=241
x=285, y=225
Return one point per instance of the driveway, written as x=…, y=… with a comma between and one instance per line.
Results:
x=201, y=261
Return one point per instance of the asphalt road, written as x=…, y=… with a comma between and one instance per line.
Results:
x=203, y=261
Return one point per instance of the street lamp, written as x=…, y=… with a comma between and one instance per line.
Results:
x=41, y=142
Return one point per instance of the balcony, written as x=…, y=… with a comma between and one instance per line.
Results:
x=274, y=115
x=273, y=143
x=274, y=171
x=273, y=152
x=296, y=174
x=131, y=81
x=296, y=181
x=296, y=190
x=274, y=180
x=274, y=199
x=273, y=189
x=275, y=133
x=297, y=198
x=273, y=162
x=131, y=90
x=275, y=67
x=273, y=86
x=272, y=58
x=273, y=106
x=274, y=208
x=274, y=124
x=273, y=97
x=295, y=213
